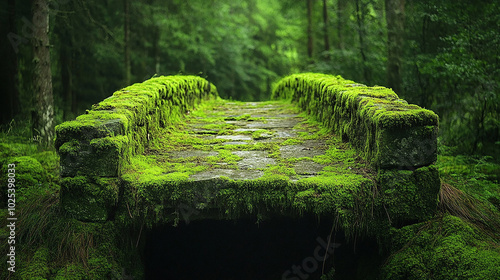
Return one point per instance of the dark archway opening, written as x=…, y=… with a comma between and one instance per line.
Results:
x=279, y=248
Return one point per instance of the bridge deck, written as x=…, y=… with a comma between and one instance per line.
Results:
x=250, y=142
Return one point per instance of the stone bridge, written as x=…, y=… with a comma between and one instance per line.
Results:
x=169, y=150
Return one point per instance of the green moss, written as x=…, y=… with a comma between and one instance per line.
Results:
x=89, y=199
x=37, y=267
x=292, y=141
x=443, y=248
x=409, y=195
x=71, y=272
x=262, y=134
x=368, y=117
x=101, y=142
x=29, y=172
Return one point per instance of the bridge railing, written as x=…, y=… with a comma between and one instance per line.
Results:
x=399, y=140
x=94, y=148
x=387, y=131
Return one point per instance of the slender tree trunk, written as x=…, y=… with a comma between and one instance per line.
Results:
x=395, y=14
x=325, y=26
x=66, y=58
x=11, y=106
x=156, y=47
x=43, y=121
x=361, y=32
x=309, y=29
x=126, y=40
x=340, y=23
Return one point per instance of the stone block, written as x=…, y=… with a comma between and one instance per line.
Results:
x=89, y=199
x=99, y=157
x=407, y=195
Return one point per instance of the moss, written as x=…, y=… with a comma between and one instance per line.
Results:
x=101, y=142
x=89, y=199
x=292, y=141
x=369, y=117
x=37, y=267
x=29, y=172
x=409, y=195
x=71, y=272
x=262, y=134
x=158, y=187
x=443, y=248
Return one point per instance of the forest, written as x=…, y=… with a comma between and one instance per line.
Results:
x=60, y=57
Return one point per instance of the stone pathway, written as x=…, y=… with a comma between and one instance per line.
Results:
x=245, y=141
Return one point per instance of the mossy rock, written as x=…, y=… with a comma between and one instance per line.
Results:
x=29, y=172
x=100, y=157
x=444, y=248
x=409, y=196
x=89, y=199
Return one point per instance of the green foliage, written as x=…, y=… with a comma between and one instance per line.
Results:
x=454, y=69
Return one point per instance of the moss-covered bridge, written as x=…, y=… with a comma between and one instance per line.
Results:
x=169, y=149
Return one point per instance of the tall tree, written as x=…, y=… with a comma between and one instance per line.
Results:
x=341, y=4
x=126, y=41
x=43, y=115
x=395, y=15
x=66, y=60
x=309, y=29
x=360, y=18
x=325, y=26
x=12, y=106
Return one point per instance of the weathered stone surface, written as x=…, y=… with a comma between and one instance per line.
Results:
x=89, y=199
x=274, y=123
x=254, y=159
x=307, y=149
x=192, y=153
x=234, y=137
x=307, y=167
x=230, y=173
x=410, y=195
x=100, y=157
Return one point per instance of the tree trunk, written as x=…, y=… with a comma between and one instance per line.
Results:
x=309, y=29
x=360, y=15
x=126, y=40
x=11, y=107
x=66, y=58
x=156, y=47
x=340, y=22
x=43, y=116
x=325, y=26
x=394, y=14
